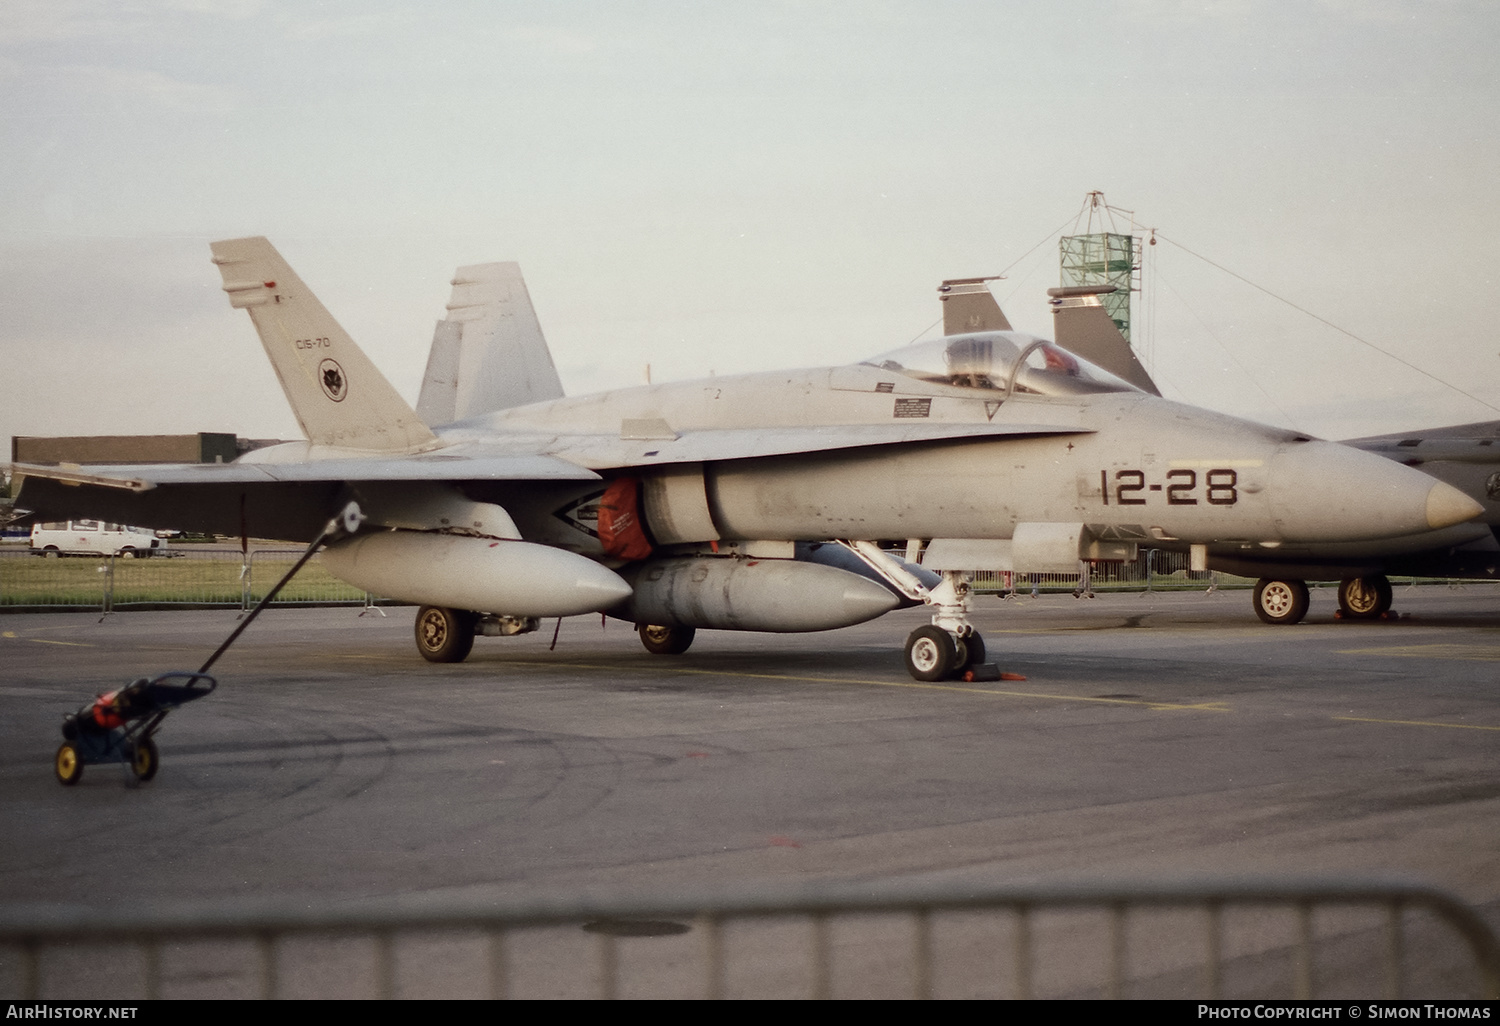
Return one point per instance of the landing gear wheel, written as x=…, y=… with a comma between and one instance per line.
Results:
x=68, y=765
x=1278, y=602
x=1365, y=598
x=445, y=635
x=145, y=760
x=931, y=653
x=661, y=640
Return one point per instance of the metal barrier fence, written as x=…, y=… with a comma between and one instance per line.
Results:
x=1210, y=940
x=189, y=578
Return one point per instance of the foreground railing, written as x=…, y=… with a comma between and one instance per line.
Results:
x=1359, y=939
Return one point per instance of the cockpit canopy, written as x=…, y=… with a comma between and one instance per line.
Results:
x=990, y=360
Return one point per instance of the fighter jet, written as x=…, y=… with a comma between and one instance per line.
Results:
x=757, y=502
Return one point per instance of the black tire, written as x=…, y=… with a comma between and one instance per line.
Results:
x=974, y=652
x=445, y=635
x=50, y=552
x=68, y=764
x=661, y=640
x=1280, y=602
x=145, y=760
x=1365, y=598
x=931, y=654
x=127, y=553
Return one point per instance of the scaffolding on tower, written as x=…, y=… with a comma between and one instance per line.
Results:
x=1103, y=257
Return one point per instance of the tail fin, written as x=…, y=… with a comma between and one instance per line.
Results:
x=338, y=396
x=1080, y=325
x=489, y=353
x=969, y=306
x=438, y=402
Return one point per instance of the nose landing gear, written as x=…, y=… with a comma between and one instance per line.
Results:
x=934, y=654
x=1280, y=602
x=947, y=648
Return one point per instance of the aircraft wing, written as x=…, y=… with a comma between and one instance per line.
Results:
x=1461, y=443
x=654, y=444
x=536, y=458
x=286, y=500
x=291, y=498
x=429, y=467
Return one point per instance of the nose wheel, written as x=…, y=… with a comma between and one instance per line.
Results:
x=1280, y=602
x=934, y=654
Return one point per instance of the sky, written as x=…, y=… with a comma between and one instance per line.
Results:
x=732, y=187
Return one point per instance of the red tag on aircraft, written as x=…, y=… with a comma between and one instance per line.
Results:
x=620, y=529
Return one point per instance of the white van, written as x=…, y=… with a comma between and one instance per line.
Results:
x=93, y=538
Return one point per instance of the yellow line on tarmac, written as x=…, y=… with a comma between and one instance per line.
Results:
x=1165, y=706
x=1416, y=723
x=1472, y=653
x=72, y=644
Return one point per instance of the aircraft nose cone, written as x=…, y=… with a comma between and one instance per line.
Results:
x=1447, y=506
x=1323, y=491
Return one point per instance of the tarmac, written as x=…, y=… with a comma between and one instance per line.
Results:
x=1155, y=736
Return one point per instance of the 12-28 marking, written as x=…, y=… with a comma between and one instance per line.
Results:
x=1219, y=487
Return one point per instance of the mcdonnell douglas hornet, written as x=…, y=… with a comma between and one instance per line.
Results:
x=756, y=502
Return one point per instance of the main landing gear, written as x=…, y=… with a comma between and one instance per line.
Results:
x=1364, y=598
x=445, y=635
x=1285, y=601
x=660, y=640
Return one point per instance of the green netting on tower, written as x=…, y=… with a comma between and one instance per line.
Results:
x=1103, y=259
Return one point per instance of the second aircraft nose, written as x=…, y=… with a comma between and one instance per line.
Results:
x=1323, y=491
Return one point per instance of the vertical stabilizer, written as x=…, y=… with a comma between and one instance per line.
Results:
x=489, y=353
x=336, y=393
x=438, y=403
x=1081, y=325
x=969, y=306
